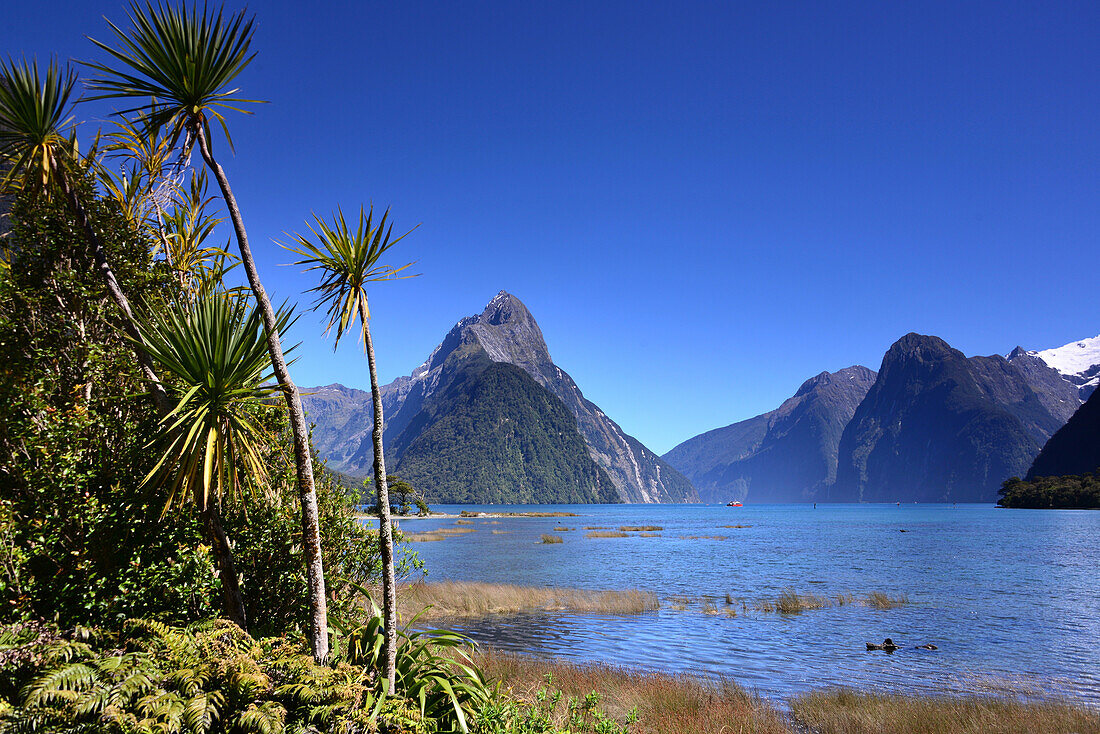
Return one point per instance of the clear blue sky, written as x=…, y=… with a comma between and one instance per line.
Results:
x=702, y=204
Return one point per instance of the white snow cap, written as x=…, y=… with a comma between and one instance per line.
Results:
x=1073, y=358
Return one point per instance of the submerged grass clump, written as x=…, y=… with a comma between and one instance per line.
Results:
x=475, y=599
x=463, y=522
x=440, y=534
x=790, y=602
x=735, y=526
x=563, y=529
x=640, y=528
x=879, y=600
x=550, y=539
x=607, y=534
x=501, y=532
x=704, y=537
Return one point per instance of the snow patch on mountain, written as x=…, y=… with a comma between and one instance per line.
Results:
x=1075, y=358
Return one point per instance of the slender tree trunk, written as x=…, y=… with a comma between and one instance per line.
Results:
x=385, y=530
x=311, y=534
x=233, y=601
x=156, y=389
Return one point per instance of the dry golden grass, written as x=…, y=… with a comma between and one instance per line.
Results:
x=850, y=712
x=550, y=539
x=475, y=599
x=687, y=705
x=790, y=602
x=463, y=522
x=649, y=535
x=607, y=534
x=640, y=528
x=538, y=514
x=596, y=527
x=440, y=534
x=665, y=703
x=563, y=529
x=879, y=600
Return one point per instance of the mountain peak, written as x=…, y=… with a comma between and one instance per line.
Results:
x=504, y=308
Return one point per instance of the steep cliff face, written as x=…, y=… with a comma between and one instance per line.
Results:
x=1060, y=396
x=504, y=333
x=786, y=455
x=1077, y=362
x=938, y=427
x=1075, y=448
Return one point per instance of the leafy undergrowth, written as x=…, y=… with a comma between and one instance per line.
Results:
x=212, y=678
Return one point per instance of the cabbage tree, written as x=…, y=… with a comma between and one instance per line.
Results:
x=213, y=442
x=347, y=260
x=177, y=65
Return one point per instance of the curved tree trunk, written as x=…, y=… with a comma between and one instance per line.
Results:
x=233, y=601
x=385, y=530
x=311, y=534
x=156, y=389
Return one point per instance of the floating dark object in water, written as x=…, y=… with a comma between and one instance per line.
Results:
x=927, y=646
x=903, y=531
x=887, y=645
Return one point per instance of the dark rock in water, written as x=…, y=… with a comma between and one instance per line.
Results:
x=927, y=646
x=887, y=645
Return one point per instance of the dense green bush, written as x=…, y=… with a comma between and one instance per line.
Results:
x=82, y=538
x=1066, y=493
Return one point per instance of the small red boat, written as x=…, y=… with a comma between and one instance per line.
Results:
x=735, y=503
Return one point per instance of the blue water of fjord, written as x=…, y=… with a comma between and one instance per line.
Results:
x=1010, y=597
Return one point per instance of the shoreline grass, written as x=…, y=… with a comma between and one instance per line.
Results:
x=438, y=534
x=476, y=599
x=688, y=704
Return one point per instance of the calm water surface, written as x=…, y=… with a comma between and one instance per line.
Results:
x=1010, y=597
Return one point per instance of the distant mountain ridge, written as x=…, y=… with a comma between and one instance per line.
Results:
x=786, y=455
x=504, y=333
x=937, y=426
x=931, y=425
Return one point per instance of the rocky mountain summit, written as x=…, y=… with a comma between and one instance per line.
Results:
x=504, y=333
x=937, y=426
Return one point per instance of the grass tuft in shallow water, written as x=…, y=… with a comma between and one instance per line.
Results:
x=551, y=539
x=475, y=599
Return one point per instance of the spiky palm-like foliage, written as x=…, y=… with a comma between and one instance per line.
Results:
x=180, y=64
x=212, y=441
x=36, y=123
x=348, y=259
